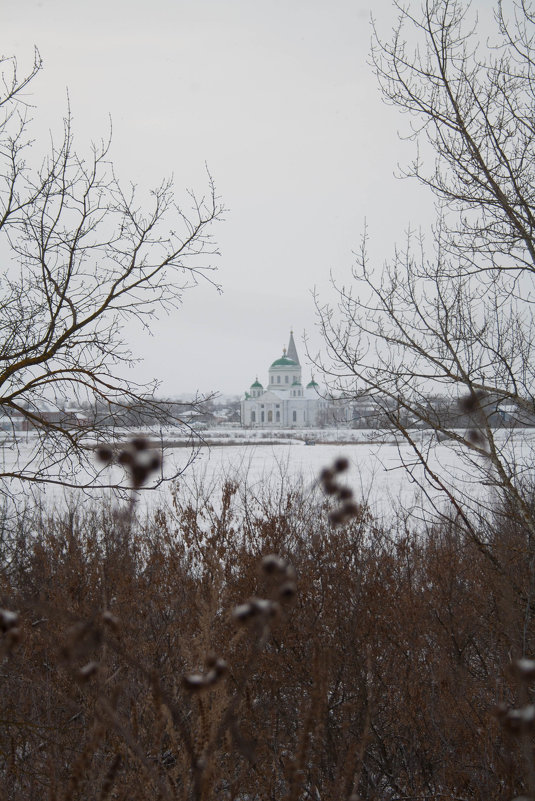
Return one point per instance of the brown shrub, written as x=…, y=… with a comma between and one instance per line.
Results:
x=362, y=659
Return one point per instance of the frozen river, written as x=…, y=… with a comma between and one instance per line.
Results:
x=377, y=474
x=385, y=475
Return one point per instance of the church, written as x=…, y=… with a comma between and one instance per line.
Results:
x=284, y=403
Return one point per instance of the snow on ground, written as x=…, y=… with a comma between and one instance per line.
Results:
x=383, y=472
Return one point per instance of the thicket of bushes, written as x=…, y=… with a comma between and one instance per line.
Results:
x=126, y=675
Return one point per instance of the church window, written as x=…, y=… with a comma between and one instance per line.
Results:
x=253, y=417
x=278, y=379
x=261, y=417
x=277, y=417
x=285, y=379
x=294, y=417
x=270, y=416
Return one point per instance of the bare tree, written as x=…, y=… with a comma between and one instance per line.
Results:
x=454, y=317
x=80, y=257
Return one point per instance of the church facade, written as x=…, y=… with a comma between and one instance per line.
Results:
x=284, y=402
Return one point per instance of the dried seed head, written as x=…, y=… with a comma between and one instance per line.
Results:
x=341, y=465
x=194, y=681
x=8, y=620
x=214, y=662
x=140, y=461
x=351, y=510
x=288, y=590
x=140, y=444
x=211, y=677
x=336, y=517
x=210, y=660
x=290, y=573
x=263, y=606
x=125, y=458
x=524, y=668
x=520, y=720
x=476, y=437
x=273, y=564
x=220, y=667
x=242, y=612
x=330, y=488
x=501, y=710
x=104, y=454
x=155, y=462
x=140, y=473
x=470, y=403
x=326, y=475
x=345, y=494
x=88, y=670
x=199, y=681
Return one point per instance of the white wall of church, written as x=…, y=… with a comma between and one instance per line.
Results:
x=292, y=412
x=283, y=403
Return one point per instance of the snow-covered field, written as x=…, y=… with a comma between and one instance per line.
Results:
x=377, y=472
x=383, y=472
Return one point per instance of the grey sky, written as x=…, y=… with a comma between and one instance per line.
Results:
x=278, y=100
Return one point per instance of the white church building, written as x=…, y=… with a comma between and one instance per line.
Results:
x=284, y=403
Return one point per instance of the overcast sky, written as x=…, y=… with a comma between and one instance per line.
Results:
x=277, y=98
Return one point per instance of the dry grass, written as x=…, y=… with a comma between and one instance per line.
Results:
x=179, y=658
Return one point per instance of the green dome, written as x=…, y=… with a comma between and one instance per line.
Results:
x=296, y=383
x=284, y=361
x=257, y=385
x=312, y=384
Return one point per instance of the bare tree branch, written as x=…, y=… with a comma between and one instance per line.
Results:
x=452, y=322
x=82, y=257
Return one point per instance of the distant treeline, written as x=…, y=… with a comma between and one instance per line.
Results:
x=434, y=412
